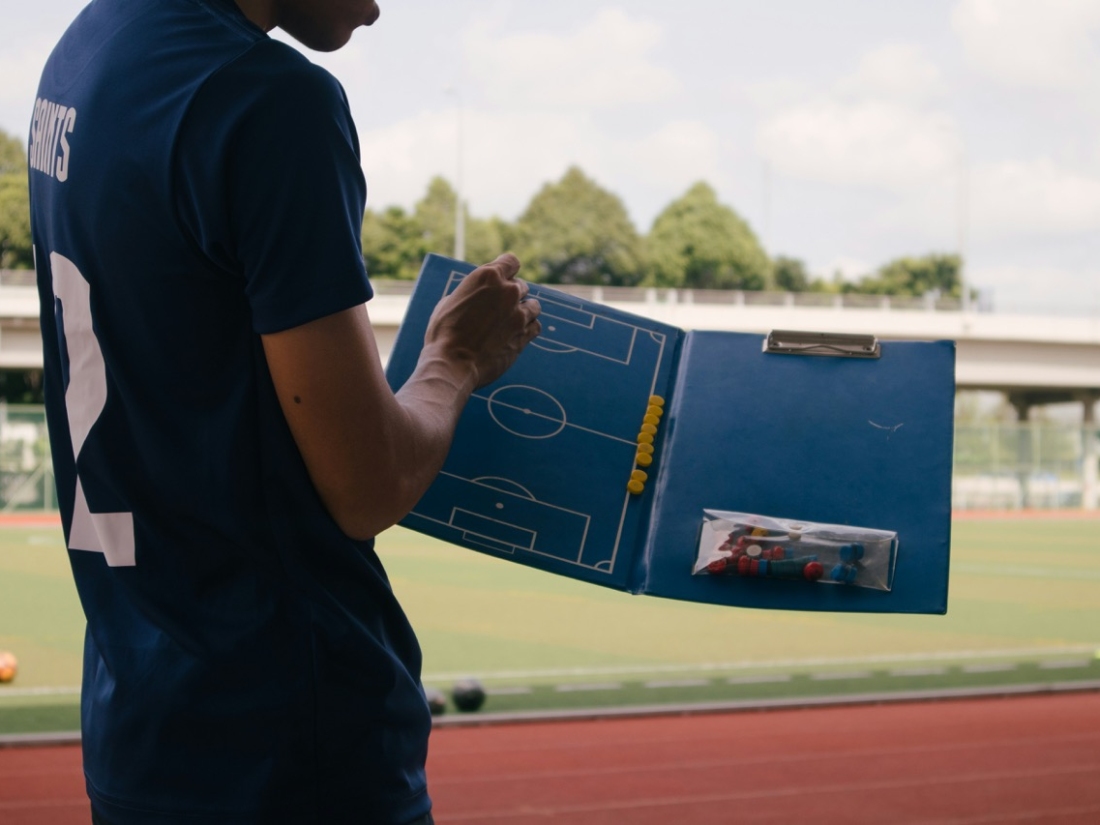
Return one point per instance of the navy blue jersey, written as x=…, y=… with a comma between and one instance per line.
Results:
x=195, y=184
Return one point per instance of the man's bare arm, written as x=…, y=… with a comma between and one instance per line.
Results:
x=371, y=453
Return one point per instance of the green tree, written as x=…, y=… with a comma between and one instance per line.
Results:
x=696, y=242
x=436, y=214
x=15, y=211
x=393, y=244
x=789, y=275
x=575, y=232
x=12, y=156
x=914, y=276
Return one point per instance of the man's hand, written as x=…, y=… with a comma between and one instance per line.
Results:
x=370, y=453
x=486, y=322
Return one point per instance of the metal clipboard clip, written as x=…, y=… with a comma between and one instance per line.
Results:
x=837, y=344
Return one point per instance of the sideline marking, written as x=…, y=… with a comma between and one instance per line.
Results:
x=593, y=686
x=1058, y=664
x=40, y=691
x=778, y=664
x=678, y=683
x=919, y=671
x=852, y=674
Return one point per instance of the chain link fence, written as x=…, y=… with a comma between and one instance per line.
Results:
x=1028, y=464
x=26, y=470
x=997, y=466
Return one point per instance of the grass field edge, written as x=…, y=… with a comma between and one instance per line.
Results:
x=63, y=738
x=760, y=705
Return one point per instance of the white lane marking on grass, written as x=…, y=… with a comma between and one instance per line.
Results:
x=591, y=686
x=784, y=664
x=759, y=679
x=918, y=671
x=989, y=667
x=507, y=691
x=1058, y=664
x=39, y=691
x=40, y=539
x=1020, y=571
x=678, y=683
x=851, y=674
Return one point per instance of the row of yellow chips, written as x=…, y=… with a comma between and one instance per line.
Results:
x=644, y=456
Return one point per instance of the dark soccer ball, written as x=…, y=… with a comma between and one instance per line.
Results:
x=468, y=695
x=437, y=702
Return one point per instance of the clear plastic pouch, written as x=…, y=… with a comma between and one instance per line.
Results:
x=746, y=545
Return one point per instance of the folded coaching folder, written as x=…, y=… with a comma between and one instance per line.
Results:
x=541, y=459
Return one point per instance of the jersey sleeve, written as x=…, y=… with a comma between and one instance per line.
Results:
x=269, y=187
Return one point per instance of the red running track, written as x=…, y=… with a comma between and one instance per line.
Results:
x=1015, y=760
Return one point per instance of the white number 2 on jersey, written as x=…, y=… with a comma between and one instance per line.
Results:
x=111, y=534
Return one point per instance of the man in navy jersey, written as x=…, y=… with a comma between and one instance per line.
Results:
x=225, y=444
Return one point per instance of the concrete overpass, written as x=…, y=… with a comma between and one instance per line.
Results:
x=1033, y=359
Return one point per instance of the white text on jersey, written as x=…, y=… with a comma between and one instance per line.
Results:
x=49, y=148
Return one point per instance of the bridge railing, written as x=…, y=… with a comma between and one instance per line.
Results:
x=17, y=277
x=725, y=297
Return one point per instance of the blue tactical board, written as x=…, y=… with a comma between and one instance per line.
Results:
x=860, y=442
x=541, y=458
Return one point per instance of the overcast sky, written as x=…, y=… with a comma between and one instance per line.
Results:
x=847, y=132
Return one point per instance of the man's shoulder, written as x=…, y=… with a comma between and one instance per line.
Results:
x=282, y=69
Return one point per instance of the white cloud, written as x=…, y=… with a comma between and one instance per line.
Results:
x=872, y=128
x=870, y=143
x=1034, y=197
x=509, y=156
x=672, y=158
x=604, y=63
x=894, y=72
x=1044, y=44
x=20, y=69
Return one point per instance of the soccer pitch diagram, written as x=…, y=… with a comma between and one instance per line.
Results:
x=543, y=455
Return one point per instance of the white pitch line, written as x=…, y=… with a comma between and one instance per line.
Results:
x=1058, y=664
x=678, y=683
x=593, y=686
x=918, y=671
x=1019, y=571
x=759, y=679
x=851, y=674
x=39, y=691
x=776, y=664
x=989, y=667
x=508, y=691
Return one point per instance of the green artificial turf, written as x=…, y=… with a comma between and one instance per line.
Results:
x=1025, y=598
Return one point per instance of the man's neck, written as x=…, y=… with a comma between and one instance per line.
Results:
x=260, y=12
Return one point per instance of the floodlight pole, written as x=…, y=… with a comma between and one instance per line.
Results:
x=963, y=219
x=460, y=211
